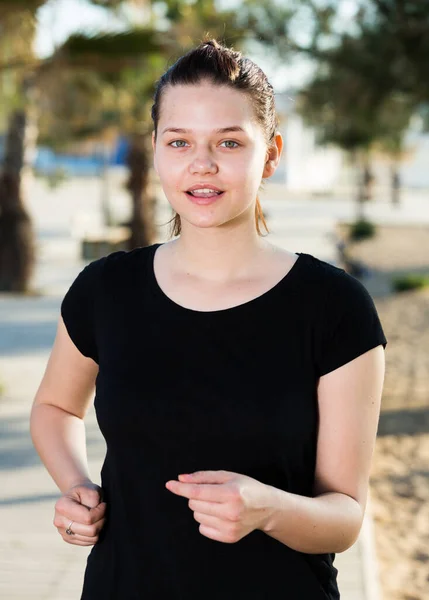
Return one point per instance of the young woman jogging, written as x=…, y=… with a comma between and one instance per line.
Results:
x=237, y=384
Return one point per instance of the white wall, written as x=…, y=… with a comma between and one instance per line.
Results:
x=309, y=167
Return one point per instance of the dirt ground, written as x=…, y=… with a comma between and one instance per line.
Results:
x=400, y=471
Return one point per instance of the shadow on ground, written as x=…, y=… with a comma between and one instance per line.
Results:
x=404, y=422
x=17, y=450
x=29, y=499
x=27, y=324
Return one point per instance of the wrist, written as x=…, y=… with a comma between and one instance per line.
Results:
x=270, y=507
x=83, y=480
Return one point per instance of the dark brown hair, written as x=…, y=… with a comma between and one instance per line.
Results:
x=210, y=61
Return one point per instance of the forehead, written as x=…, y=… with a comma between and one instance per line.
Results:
x=193, y=106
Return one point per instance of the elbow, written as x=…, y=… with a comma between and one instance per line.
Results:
x=346, y=544
x=34, y=423
x=349, y=538
x=40, y=417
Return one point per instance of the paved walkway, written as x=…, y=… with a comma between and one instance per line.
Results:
x=34, y=562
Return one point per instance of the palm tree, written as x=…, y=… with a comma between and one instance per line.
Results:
x=18, y=19
x=16, y=232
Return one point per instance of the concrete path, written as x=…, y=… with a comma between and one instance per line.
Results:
x=34, y=562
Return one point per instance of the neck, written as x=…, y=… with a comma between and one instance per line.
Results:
x=218, y=254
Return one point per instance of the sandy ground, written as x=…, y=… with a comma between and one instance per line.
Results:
x=400, y=473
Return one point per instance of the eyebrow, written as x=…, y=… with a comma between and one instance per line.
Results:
x=221, y=130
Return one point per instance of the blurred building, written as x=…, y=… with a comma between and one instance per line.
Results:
x=85, y=158
x=308, y=167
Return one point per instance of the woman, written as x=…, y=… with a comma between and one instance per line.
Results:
x=238, y=385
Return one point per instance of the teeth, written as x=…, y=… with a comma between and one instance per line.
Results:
x=205, y=191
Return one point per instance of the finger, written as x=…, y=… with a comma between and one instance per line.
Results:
x=88, y=497
x=79, y=528
x=209, y=521
x=222, y=511
x=97, y=513
x=213, y=534
x=74, y=511
x=78, y=540
x=217, y=527
x=76, y=537
x=200, y=491
x=208, y=476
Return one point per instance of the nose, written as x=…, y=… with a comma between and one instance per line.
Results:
x=203, y=163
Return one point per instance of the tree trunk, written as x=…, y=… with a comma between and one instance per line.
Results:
x=360, y=190
x=143, y=214
x=17, y=245
x=395, y=180
x=368, y=181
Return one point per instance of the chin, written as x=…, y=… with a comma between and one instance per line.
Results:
x=203, y=223
x=208, y=221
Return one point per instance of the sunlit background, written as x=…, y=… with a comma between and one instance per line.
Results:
x=352, y=188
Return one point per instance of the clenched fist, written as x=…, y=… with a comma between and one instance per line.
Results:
x=83, y=506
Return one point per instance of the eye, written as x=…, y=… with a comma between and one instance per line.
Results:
x=177, y=142
x=231, y=142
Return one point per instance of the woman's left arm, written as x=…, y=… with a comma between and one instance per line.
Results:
x=349, y=401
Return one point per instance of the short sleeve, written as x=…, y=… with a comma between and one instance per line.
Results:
x=350, y=324
x=78, y=309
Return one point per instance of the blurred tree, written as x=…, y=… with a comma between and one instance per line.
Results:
x=17, y=30
x=393, y=123
x=94, y=84
x=352, y=102
x=370, y=73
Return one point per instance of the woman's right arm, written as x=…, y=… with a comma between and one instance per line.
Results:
x=58, y=433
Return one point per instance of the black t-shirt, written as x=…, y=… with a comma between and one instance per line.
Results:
x=180, y=390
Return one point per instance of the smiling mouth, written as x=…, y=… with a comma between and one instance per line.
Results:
x=204, y=199
x=204, y=194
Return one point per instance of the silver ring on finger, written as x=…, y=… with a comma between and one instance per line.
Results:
x=68, y=530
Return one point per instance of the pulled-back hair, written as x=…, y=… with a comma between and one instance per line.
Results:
x=210, y=61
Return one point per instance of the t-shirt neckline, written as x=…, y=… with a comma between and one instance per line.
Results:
x=287, y=279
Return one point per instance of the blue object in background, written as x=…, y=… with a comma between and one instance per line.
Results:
x=47, y=162
x=120, y=152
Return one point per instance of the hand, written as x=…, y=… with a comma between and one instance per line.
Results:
x=227, y=505
x=83, y=505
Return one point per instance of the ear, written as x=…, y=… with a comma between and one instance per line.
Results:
x=273, y=155
x=154, y=152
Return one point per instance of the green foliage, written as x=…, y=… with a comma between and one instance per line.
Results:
x=412, y=281
x=135, y=43
x=94, y=82
x=20, y=5
x=370, y=72
x=352, y=101
x=361, y=230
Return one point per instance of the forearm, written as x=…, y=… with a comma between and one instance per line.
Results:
x=59, y=438
x=327, y=523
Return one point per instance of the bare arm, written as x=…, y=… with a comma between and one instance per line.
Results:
x=56, y=423
x=349, y=407
x=58, y=433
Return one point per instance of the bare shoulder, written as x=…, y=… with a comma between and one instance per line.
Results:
x=281, y=259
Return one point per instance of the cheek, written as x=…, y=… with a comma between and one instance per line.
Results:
x=252, y=165
x=169, y=172
x=242, y=170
